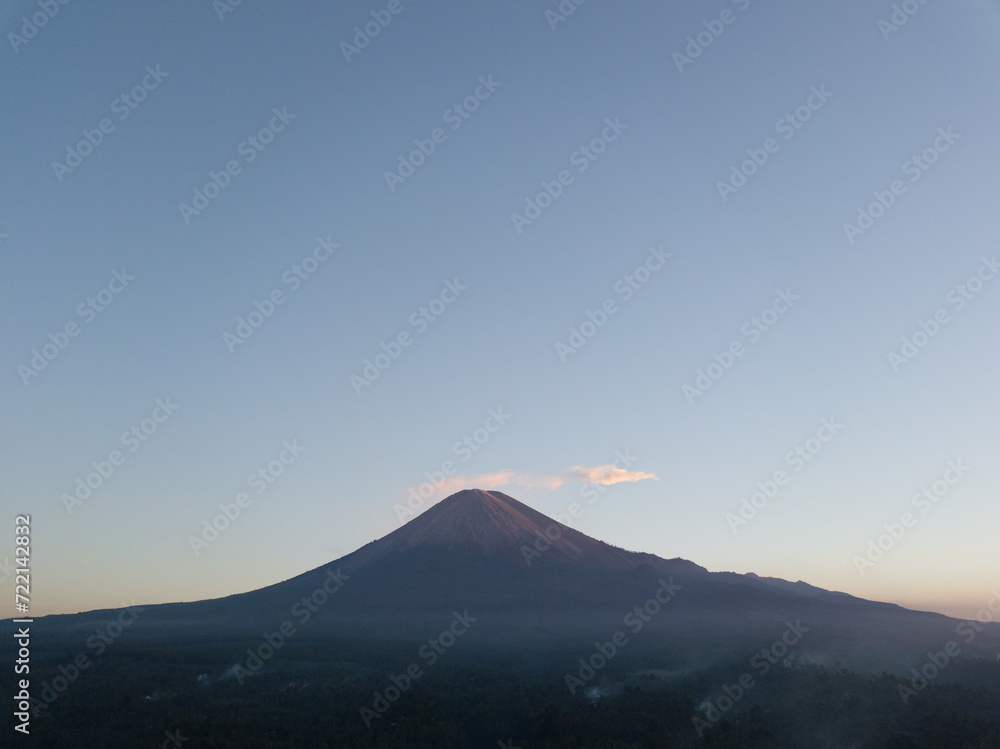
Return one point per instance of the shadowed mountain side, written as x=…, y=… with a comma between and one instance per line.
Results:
x=468, y=553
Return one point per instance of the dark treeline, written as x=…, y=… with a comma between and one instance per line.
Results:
x=311, y=695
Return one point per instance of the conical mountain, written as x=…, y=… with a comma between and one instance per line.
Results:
x=498, y=528
x=534, y=584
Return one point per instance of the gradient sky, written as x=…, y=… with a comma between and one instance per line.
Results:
x=495, y=346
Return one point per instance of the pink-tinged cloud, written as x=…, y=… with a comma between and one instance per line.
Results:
x=605, y=475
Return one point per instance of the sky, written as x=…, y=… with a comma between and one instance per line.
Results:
x=271, y=267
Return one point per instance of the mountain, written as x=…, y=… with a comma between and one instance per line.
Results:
x=498, y=527
x=533, y=584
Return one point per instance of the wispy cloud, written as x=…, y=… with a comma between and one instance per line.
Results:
x=605, y=475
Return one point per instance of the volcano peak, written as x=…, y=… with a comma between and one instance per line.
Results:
x=493, y=524
x=492, y=521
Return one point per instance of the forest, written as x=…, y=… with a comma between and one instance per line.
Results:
x=316, y=693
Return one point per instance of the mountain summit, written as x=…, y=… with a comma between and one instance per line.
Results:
x=492, y=522
x=496, y=525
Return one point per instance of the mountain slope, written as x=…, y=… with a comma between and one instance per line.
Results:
x=495, y=526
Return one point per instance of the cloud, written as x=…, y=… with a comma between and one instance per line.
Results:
x=605, y=475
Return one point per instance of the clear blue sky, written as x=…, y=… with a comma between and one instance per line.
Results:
x=846, y=104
